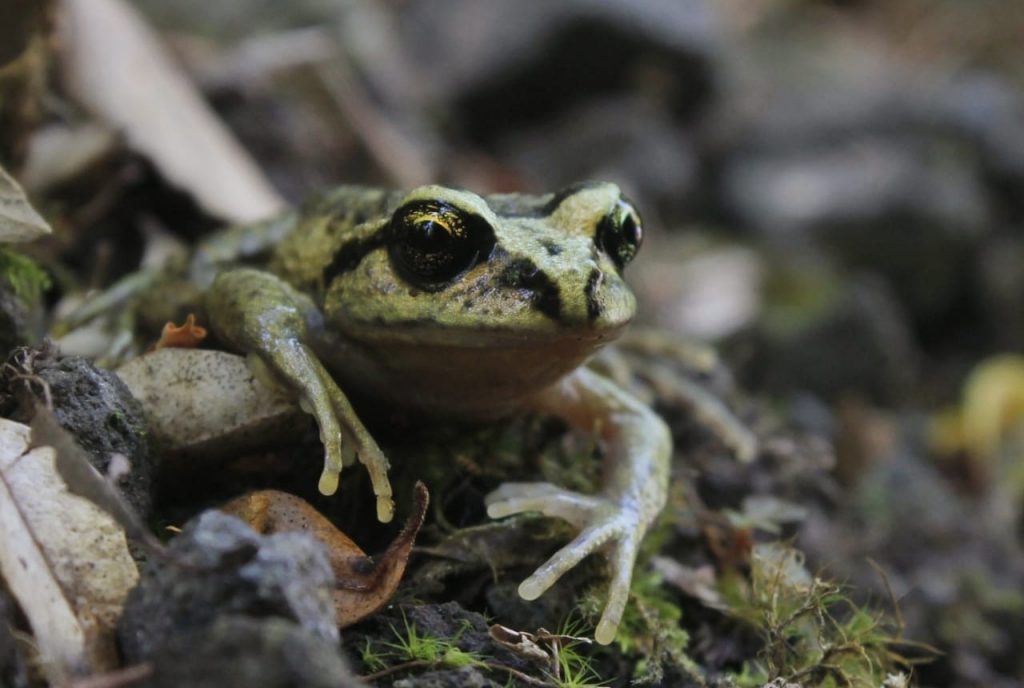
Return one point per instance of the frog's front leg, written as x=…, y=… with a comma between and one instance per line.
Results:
x=267, y=319
x=638, y=449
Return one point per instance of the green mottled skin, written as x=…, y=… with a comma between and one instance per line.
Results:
x=328, y=310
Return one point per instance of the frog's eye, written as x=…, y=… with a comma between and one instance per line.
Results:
x=620, y=234
x=430, y=243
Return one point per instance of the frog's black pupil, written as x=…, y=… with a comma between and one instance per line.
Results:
x=432, y=237
x=631, y=231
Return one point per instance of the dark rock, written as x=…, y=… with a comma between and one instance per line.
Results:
x=258, y=653
x=856, y=183
x=97, y=408
x=523, y=63
x=529, y=615
x=630, y=141
x=218, y=565
x=896, y=170
x=989, y=111
x=857, y=342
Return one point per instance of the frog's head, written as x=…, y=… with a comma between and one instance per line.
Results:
x=503, y=287
x=456, y=267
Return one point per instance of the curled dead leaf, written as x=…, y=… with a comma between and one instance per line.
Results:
x=363, y=584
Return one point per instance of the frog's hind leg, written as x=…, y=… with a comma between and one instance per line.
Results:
x=678, y=385
x=266, y=318
x=110, y=300
x=710, y=411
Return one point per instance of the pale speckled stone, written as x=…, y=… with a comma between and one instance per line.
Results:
x=201, y=402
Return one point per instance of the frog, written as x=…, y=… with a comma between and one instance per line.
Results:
x=458, y=305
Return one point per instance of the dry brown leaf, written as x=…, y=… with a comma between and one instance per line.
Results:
x=363, y=584
x=65, y=561
x=115, y=66
x=19, y=222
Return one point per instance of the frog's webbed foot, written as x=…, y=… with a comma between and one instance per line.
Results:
x=637, y=446
x=615, y=529
x=266, y=318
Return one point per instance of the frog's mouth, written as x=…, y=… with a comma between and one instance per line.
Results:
x=429, y=334
x=477, y=373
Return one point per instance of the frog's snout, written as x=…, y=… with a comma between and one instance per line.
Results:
x=594, y=298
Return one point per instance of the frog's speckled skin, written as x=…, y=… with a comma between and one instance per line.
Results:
x=459, y=305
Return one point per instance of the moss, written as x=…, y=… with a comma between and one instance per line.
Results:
x=413, y=646
x=650, y=633
x=28, y=280
x=812, y=634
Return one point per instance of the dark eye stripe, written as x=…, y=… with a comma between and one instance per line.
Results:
x=351, y=253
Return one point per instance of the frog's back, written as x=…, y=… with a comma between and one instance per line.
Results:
x=322, y=229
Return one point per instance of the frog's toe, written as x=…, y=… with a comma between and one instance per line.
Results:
x=377, y=466
x=548, y=499
x=330, y=437
x=621, y=558
x=565, y=559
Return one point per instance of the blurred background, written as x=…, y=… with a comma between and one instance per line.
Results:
x=833, y=196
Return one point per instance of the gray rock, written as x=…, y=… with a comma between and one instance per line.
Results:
x=257, y=653
x=218, y=566
x=858, y=343
x=855, y=184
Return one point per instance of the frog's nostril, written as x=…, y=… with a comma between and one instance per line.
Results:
x=594, y=281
